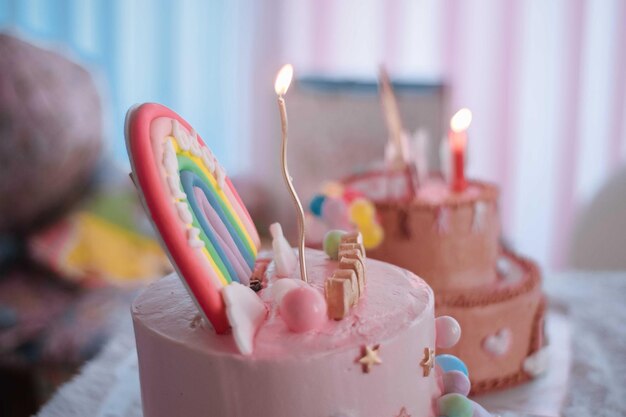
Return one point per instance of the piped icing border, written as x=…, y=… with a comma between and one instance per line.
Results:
x=486, y=295
x=489, y=193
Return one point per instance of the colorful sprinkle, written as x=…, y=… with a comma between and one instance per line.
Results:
x=315, y=206
x=370, y=358
x=362, y=211
x=451, y=363
x=332, y=240
x=428, y=362
x=448, y=332
x=456, y=382
x=373, y=235
x=455, y=405
x=335, y=213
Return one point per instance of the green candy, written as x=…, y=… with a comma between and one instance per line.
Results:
x=331, y=243
x=455, y=405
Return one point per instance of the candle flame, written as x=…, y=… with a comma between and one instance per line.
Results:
x=283, y=79
x=461, y=120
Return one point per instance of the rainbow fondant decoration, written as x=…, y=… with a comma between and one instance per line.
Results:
x=203, y=224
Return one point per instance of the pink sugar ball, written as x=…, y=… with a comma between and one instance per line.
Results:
x=335, y=213
x=456, y=382
x=448, y=332
x=303, y=309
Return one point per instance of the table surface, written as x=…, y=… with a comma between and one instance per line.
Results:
x=591, y=302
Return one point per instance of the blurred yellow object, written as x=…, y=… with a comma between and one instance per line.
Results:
x=373, y=235
x=113, y=251
x=362, y=212
x=86, y=247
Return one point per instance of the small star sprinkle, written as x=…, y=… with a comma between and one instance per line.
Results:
x=429, y=361
x=370, y=358
x=403, y=413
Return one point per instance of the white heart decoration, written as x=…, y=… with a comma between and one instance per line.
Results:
x=498, y=343
x=246, y=312
x=537, y=363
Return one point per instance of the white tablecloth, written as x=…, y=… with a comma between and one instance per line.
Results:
x=589, y=307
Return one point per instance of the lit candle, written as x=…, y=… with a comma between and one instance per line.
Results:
x=458, y=142
x=283, y=79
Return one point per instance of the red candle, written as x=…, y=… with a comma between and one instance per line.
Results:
x=458, y=143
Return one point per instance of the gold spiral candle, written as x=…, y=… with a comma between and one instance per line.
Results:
x=283, y=80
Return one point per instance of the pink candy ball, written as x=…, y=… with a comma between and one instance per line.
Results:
x=456, y=382
x=303, y=309
x=448, y=332
x=335, y=213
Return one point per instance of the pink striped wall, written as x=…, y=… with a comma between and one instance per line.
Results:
x=495, y=97
x=321, y=40
x=617, y=133
x=505, y=105
x=566, y=203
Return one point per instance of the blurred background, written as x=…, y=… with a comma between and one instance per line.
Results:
x=546, y=82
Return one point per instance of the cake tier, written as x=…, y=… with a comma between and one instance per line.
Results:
x=187, y=369
x=449, y=239
x=502, y=325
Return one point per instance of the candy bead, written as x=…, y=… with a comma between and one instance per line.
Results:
x=455, y=382
x=448, y=332
x=331, y=243
x=335, y=213
x=373, y=235
x=451, y=363
x=362, y=212
x=455, y=405
x=303, y=309
x=316, y=204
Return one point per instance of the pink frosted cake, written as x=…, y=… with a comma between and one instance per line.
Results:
x=236, y=333
x=291, y=374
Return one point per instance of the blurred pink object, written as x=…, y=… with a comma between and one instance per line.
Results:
x=51, y=129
